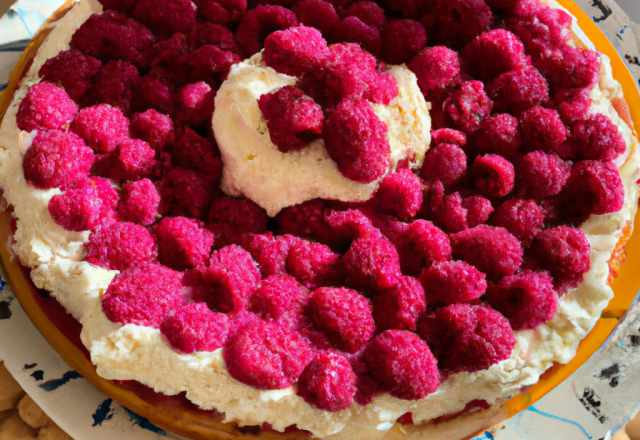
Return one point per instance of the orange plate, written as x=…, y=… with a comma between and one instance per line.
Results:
x=175, y=413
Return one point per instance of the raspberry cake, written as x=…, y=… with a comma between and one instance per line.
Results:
x=350, y=218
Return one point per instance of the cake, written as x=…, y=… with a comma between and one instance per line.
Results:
x=457, y=250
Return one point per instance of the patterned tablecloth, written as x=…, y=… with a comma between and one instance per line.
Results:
x=593, y=404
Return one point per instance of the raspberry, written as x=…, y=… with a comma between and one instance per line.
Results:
x=102, y=127
x=492, y=54
x=112, y=36
x=449, y=136
x=167, y=51
x=215, y=34
x=328, y=382
x=450, y=282
x=597, y=138
x=478, y=210
x=314, y=265
x=516, y=91
x=293, y=119
x=399, y=194
x=541, y=175
x=222, y=11
x=255, y=243
x=398, y=308
x=468, y=106
x=272, y=258
x=318, y=14
x=421, y=245
x=182, y=243
x=45, y=106
x=195, y=104
x=240, y=319
x=538, y=25
x=354, y=30
x=402, y=39
x=372, y=263
x=152, y=93
x=344, y=316
x=497, y=134
x=154, y=128
x=567, y=67
x=56, y=159
x=266, y=355
x=542, y=129
x=71, y=70
x=195, y=153
x=166, y=18
x=446, y=163
x=368, y=12
x=403, y=364
x=565, y=252
x=118, y=5
x=492, y=250
x=346, y=226
x=133, y=160
x=193, y=327
x=139, y=203
x=454, y=23
x=143, y=295
x=258, y=23
x=467, y=338
x=306, y=220
x=295, y=51
x=573, y=105
x=526, y=300
x=193, y=191
x=243, y=214
x=493, y=175
x=522, y=218
x=208, y=63
x=107, y=193
x=436, y=68
x=120, y=246
x=354, y=123
x=452, y=215
x=115, y=83
x=279, y=297
x=78, y=209
x=593, y=187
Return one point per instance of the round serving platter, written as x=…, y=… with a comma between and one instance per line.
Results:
x=517, y=419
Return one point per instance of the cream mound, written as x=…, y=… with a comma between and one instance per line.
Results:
x=139, y=353
x=256, y=169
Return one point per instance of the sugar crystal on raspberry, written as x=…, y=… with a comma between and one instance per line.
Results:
x=45, y=106
x=120, y=246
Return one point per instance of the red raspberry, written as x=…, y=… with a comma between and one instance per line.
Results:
x=71, y=70
x=208, y=63
x=195, y=104
x=45, y=106
x=454, y=23
x=468, y=106
x=518, y=90
x=467, y=338
x=258, y=23
x=493, y=175
x=314, y=265
x=497, y=134
x=597, y=138
x=354, y=30
x=193, y=327
x=367, y=11
x=240, y=319
x=267, y=355
x=372, y=263
x=255, y=243
x=107, y=193
x=153, y=93
x=452, y=216
x=567, y=67
x=346, y=226
x=182, y=243
x=450, y=282
x=344, y=316
x=56, y=159
x=306, y=220
x=222, y=11
x=102, y=127
x=541, y=175
x=195, y=153
x=295, y=51
x=120, y=246
x=115, y=83
x=167, y=51
x=537, y=24
x=526, y=300
x=493, y=251
x=449, y=136
x=139, y=203
x=492, y=54
x=542, y=129
x=436, y=68
x=243, y=214
x=166, y=18
x=354, y=123
x=133, y=160
x=403, y=364
x=143, y=295
x=318, y=14
x=118, y=5
x=154, y=128
x=272, y=259
x=398, y=308
x=399, y=194
x=112, y=36
x=522, y=218
x=446, y=163
x=401, y=40
x=279, y=297
x=565, y=252
x=420, y=245
x=79, y=208
x=293, y=119
x=215, y=34
x=328, y=382
x=192, y=192
x=478, y=210
x=573, y=105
